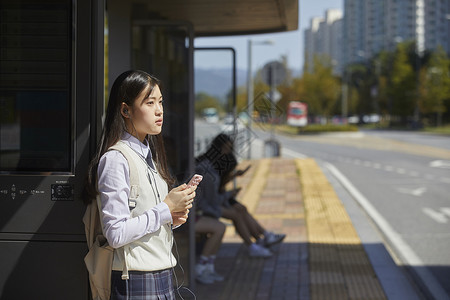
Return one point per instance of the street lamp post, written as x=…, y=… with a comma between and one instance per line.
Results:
x=344, y=104
x=250, y=88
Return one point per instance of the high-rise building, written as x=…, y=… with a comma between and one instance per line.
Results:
x=331, y=29
x=312, y=42
x=447, y=17
x=324, y=38
x=437, y=24
x=354, y=25
x=375, y=37
x=370, y=26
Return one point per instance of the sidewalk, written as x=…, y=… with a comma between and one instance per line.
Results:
x=322, y=256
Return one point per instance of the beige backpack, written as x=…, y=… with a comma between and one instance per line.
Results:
x=99, y=259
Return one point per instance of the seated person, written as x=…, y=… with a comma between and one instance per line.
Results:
x=214, y=230
x=216, y=166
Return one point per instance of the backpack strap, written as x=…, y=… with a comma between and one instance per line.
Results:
x=129, y=154
x=134, y=175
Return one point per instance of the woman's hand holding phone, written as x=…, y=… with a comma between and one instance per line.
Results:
x=195, y=180
x=180, y=198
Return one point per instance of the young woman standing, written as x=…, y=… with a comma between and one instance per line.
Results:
x=137, y=220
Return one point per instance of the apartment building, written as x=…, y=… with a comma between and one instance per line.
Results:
x=324, y=38
x=370, y=26
x=374, y=25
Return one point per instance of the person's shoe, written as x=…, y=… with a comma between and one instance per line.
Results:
x=213, y=274
x=271, y=238
x=202, y=274
x=256, y=250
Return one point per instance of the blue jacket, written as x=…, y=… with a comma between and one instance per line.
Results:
x=209, y=200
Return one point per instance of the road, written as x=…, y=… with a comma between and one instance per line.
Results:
x=404, y=179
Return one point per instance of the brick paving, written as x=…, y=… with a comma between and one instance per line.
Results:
x=321, y=257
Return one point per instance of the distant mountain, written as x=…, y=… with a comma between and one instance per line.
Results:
x=218, y=82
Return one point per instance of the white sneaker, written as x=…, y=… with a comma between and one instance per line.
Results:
x=202, y=274
x=216, y=276
x=256, y=250
x=271, y=238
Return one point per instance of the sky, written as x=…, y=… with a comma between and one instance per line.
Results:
x=290, y=44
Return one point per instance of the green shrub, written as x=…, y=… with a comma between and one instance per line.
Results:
x=316, y=128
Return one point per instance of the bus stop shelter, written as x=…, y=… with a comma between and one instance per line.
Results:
x=58, y=60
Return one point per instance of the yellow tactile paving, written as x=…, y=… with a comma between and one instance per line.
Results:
x=338, y=265
x=287, y=193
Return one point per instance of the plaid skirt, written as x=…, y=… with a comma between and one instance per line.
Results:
x=154, y=285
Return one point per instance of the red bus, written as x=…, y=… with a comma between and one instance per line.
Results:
x=297, y=114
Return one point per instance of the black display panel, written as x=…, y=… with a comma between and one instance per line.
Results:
x=36, y=100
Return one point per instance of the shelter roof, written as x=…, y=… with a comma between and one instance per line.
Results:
x=229, y=17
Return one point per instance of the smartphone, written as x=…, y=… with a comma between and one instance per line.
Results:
x=195, y=180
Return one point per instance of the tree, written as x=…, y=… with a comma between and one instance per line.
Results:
x=435, y=85
x=241, y=99
x=360, y=85
x=321, y=89
x=204, y=100
x=382, y=67
x=402, y=86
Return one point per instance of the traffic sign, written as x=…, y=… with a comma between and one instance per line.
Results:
x=274, y=95
x=273, y=73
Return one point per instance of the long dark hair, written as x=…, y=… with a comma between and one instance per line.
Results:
x=223, y=163
x=126, y=88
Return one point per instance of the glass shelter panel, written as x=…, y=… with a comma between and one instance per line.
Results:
x=163, y=50
x=214, y=93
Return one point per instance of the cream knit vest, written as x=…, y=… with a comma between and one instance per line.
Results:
x=153, y=251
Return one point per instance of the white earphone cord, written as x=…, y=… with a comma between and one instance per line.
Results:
x=179, y=286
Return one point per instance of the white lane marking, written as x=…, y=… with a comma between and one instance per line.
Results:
x=395, y=238
x=435, y=215
x=444, y=164
x=293, y=153
x=388, y=168
x=446, y=210
x=414, y=192
x=400, y=171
